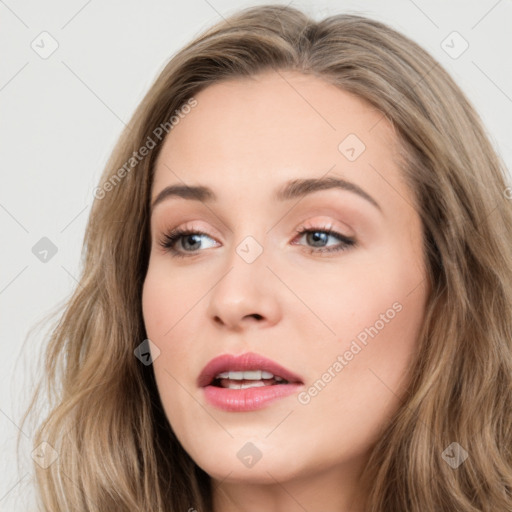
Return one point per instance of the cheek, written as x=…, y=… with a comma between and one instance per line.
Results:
x=167, y=296
x=375, y=319
x=165, y=302
x=167, y=307
x=370, y=288
x=172, y=303
x=358, y=375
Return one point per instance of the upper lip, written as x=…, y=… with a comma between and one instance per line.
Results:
x=242, y=362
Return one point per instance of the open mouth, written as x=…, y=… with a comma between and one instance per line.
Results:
x=246, y=382
x=247, y=379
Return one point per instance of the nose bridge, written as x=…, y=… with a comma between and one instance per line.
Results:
x=246, y=262
x=249, y=242
x=245, y=290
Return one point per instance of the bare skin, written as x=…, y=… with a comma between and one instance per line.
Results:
x=294, y=304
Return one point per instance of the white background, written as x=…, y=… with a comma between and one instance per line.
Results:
x=62, y=115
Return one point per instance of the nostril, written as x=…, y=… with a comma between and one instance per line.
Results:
x=217, y=319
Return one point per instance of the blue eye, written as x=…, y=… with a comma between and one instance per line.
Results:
x=186, y=237
x=191, y=241
x=319, y=237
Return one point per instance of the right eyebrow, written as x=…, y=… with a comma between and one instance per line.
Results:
x=196, y=193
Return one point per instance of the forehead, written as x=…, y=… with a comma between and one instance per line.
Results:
x=271, y=127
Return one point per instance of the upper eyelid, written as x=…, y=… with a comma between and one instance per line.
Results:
x=334, y=225
x=334, y=212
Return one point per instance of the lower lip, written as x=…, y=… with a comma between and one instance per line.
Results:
x=249, y=399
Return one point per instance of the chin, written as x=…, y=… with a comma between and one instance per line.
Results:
x=240, y=461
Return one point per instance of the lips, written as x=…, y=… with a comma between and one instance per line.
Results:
x=244, y=362
x=235, y=384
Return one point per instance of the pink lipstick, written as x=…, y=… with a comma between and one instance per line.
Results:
x=246, y=382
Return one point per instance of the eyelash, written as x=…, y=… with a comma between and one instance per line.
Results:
x=169, y=240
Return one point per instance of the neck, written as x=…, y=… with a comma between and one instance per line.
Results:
x=339, y=489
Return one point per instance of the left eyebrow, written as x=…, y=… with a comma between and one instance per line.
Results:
x=302, y=187
x=290, y=190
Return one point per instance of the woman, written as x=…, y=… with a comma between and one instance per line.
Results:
x=296, y=291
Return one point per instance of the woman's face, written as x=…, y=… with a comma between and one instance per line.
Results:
x=340, y=311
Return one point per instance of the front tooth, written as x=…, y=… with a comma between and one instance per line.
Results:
x=247, y=375
x=234, y=385
x=252, y=375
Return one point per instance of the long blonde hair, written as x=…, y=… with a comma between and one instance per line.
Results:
x=116, y=450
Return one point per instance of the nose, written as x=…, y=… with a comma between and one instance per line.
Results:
x=247, y=294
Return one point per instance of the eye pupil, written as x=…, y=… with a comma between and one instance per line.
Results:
x=318, y=236
x=187, y=239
